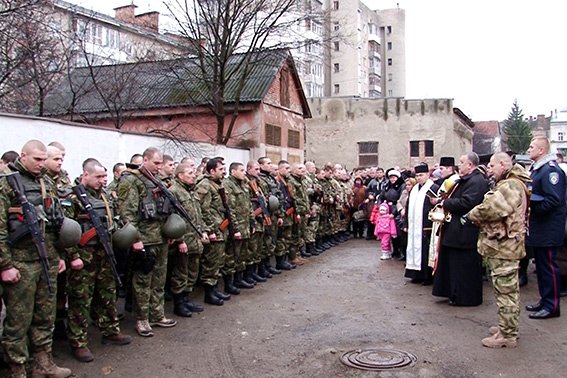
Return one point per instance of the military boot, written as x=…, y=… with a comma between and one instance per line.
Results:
x=192, y=306
x=228, y=285
x=179, y=307
x=499, y=341
x=311, y=249
x=18, y=371
x=255, y=276
x=241, y=283
x=222, y=295
x=270, y=268
x=281, y=264
x=326, y=243
x=247, y=276
x=303, y=251
x=319, y=246
x=263, y=270
x=43, y=366
x=210, y=296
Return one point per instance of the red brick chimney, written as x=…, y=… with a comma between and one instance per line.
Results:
x=126, y=13
x=149, y=20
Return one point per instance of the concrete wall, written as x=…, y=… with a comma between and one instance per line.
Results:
x=109, y=146
x=338, y=124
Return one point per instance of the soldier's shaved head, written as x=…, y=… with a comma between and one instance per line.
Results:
x=150, y=152
x=90, y=164
x=53, y=151
x=57, y=145
x=502, y=157
x=182, y=168
x=33, y=145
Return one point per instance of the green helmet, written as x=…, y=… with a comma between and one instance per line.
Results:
x=273, y=203
x=69, y=234
x=174, y=227
x=125, y=236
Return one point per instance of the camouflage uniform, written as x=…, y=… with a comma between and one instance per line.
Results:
x=337, y=209
x=311, y=184
x=139, y=206
x=269, y=186
x=238, y=198
x=301, y=211
x=212, y=258
x=284, y=237
x=30, y=307
x=186, y=267
x=256, y=244
x=95, y=279
x=327, y=215
x=502, y=221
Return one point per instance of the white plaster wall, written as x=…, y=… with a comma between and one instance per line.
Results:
x=106, y=145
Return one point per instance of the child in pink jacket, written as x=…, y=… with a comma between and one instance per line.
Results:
x=384, y=229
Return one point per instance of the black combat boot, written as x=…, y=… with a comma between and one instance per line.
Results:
x=326, y=242
x=210, y=296
x=247, y=276
x=319, y=246
x=270, y=268
x=303, y=251
x=286, y=260
x=179, y=307
x=220, y=294
x=281, y=264
x=239, y=282
x=229, y=287
x=311, y=249
x=263, y=270
x=192, y=306
x=255, y=275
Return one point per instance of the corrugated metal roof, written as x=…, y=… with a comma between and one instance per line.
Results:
x=169, y=83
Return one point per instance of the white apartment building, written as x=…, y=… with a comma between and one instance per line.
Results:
x=558, y=131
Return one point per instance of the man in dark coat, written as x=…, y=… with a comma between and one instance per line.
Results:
x=546, y=226
x=458, y=273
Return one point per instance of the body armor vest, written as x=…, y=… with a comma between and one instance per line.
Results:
x=153, y=206
x=100, y=208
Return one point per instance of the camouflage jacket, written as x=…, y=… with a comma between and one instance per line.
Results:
x=329, y=192
x=269, y=187
x=62, y=182
x=133, y=193
x=49, y=209
x=238, y=197
x=212, y=208
x=259, y=219
x=188, y=198
x=299, y=194
x=501, y=216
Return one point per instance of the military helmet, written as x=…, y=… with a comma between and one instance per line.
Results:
x=125, y=236
x=69, y=234
x=174, y=227
x=310, y=191
x=273, y=203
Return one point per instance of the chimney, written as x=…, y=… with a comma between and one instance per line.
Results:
x=126, y=13
x=149, y=20
x=541, y=120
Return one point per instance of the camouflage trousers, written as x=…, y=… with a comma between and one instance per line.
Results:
x=311, y=229
x=283, y=242
x=270, y=238
x=147, y=289
x=235, y=257
x=212, y=261
x=256, y=248
x=298, y=233
x=93, y=285
x=185, y=272
x=30, y=312
x=507, y=292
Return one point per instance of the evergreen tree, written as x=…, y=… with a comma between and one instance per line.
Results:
x=517, y=130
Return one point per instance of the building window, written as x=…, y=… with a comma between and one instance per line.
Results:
x=421, y=148
x=390, y=93
x=336, y=44
x=293, y=139
x=389, y=29
x=560, y=136
x=273, y=135
x=389, y=45
x=336, y=26
x=284, y=87
x=367, y=154
x=336, y=67
x=337, y=88
x=389, y=77
x=335, y=5
x=389, y=61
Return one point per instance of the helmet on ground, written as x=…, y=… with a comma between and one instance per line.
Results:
x=69, y=234
x=125, y=236
x=273, y=203
x=174, y=227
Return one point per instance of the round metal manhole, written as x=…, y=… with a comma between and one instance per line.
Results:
x=378, y=359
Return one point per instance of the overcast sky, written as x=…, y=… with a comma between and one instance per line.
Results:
x=482, y=53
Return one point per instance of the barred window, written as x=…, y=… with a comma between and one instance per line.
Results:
x=273, y=135
x=367, y=154
x=293, y=139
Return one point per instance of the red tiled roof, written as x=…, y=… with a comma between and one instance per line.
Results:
x=488, y=128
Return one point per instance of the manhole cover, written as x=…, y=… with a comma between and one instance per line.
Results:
x=378, y=359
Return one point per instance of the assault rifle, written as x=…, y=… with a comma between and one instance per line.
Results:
x=170, y=197
x=261, y=202
x=31, y=220
x=100, y=230
x=228, y=220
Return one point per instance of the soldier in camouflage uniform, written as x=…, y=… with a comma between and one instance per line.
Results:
x=208, y=189
x=313, y=189
x=30, y=307
x=117, y=170
x=302, y=212
x=237, y=263
x=501, y=218
x=139, y=205
x=337, y=210
x=91, y=273
x=284, y=249
x=328, y=223
x=190, y=248
x=269, y=186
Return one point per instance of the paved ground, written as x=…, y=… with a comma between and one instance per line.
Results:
x=299, y=323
